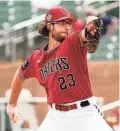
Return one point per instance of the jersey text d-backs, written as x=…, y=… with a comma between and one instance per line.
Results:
x=62, y=71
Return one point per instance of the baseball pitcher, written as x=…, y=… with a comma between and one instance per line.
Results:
x=61, y=68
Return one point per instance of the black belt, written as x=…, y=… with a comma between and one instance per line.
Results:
x=71, y=107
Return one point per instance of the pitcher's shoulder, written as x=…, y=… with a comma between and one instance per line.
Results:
x=36, y=53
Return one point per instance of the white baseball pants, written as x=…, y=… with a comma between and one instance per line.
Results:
x=81, y=119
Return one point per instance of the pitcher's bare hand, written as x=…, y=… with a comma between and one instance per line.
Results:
x=13, y=113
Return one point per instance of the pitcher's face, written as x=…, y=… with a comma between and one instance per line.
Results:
x=61, y=29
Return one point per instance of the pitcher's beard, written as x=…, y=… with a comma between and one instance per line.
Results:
x=59, y=38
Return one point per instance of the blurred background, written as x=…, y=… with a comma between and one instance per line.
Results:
x=19, y=37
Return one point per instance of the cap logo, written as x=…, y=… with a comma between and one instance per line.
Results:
x=49, y=17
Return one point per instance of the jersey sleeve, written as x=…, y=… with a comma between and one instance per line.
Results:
x=26, y=69
x=75, y=44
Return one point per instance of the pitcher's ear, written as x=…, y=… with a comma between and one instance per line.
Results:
x=49, y=27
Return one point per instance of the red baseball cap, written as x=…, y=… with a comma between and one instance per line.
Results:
x=53, y=15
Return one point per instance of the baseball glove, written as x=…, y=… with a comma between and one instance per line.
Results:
x=97, y=24
x=93, y=40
